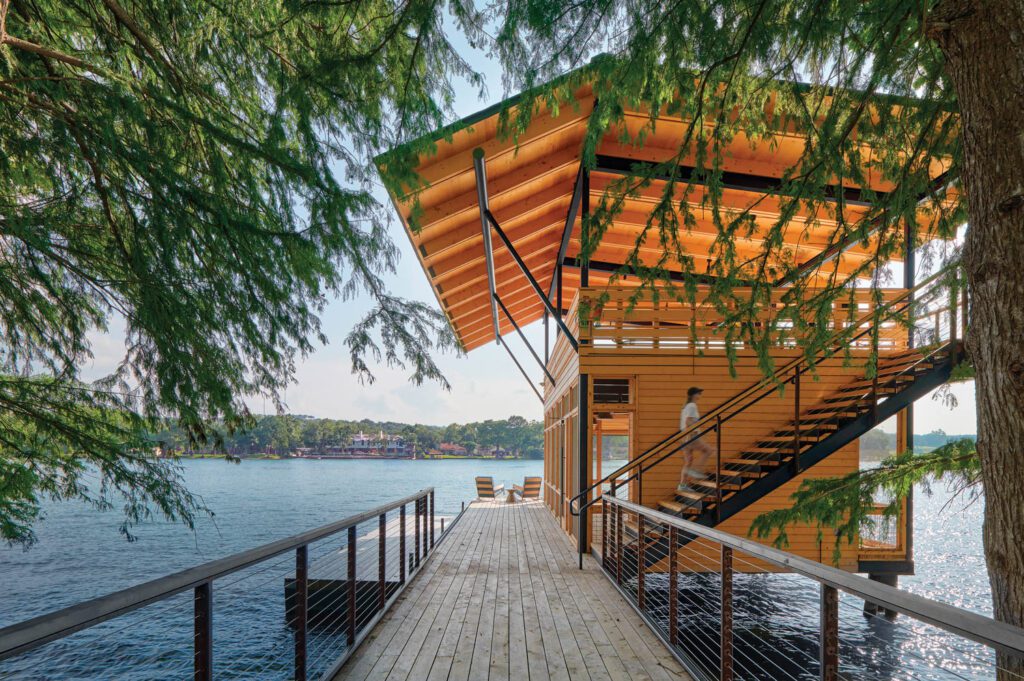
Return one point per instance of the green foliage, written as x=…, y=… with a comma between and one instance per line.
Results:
x=860, y=80
x=200, y=173
x=845, y=504
x=62, y=441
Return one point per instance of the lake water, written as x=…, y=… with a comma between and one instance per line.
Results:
x=80, y=555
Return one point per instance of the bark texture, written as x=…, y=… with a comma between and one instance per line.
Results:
x=983, y=43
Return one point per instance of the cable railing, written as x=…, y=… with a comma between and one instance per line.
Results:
x=706, y=594
x=293, y=609
x=913, y=302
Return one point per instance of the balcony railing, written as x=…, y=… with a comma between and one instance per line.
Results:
x=619, y=317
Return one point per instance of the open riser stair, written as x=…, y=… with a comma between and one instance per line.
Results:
x=749, y=473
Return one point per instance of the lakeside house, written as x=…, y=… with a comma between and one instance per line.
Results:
x=362, y=445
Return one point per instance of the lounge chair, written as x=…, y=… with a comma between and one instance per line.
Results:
x=485, y=488
x=530, y=488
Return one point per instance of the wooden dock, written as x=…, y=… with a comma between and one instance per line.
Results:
x=503, y=598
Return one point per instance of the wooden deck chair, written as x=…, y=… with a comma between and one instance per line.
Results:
x=485, y=488
x=530, y=488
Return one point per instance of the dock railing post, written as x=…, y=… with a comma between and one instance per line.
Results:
x=301, y=609
x=829, y=635
x=618, y=544
x=604, y=533
x=641, y=558
x=718, y=469
x=673, y=585
x=203, y=654
x=431, y=520
x=726, y=665
x=382, y=548
x=796, y=420
x=401, y=544
x=416, y=536
x=351, y=585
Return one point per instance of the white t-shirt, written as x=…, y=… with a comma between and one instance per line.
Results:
x=689, y=412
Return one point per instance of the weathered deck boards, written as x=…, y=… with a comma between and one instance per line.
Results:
x=496, y=601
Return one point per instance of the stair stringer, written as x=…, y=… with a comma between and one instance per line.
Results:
x=818, y=452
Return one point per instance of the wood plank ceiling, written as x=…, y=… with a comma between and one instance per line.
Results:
x=530, y=185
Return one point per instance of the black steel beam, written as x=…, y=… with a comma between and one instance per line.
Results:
x=533, y=281
x=729, y=180
x=522, y=337
x=501, y=342
x=570, y=219
x=584, y=228
x=600, y=266
x=480, y=170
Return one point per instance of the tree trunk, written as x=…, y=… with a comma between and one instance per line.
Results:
x=983, y=43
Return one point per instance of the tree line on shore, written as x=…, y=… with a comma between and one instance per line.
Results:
x=286, y=434
x=880, y=442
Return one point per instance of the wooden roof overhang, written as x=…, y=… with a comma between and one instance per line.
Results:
x=534, y=187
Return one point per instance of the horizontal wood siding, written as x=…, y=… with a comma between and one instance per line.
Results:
x=662, y=379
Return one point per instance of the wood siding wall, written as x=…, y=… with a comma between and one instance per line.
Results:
x=660, y=373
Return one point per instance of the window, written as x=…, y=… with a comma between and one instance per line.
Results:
x=611, y=390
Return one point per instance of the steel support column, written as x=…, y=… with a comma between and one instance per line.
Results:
x=583, y=462
x=480, y=169
x=585, y=227
x=570, y=219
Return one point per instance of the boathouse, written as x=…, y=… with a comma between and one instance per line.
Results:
x=497, y=226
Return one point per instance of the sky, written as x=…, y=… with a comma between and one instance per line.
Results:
x=484, y=384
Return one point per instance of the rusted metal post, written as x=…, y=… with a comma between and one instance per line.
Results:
x=725, y=668
x=203, y=653
x=718, y=468
x=301, y=610
x=426, y=530
x=401, y=544
x=618, y=544
x=641, y=562
x=431, y=519
x=352, y=585
x=382, y=549
x=829, y=646
x=604, y=533
x=673, y=585
x=416, y=536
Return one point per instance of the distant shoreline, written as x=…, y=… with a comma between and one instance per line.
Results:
x=349, y=457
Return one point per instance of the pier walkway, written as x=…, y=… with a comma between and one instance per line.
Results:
x=503, y=598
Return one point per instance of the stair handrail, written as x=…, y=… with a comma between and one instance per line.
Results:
x=699, y=427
